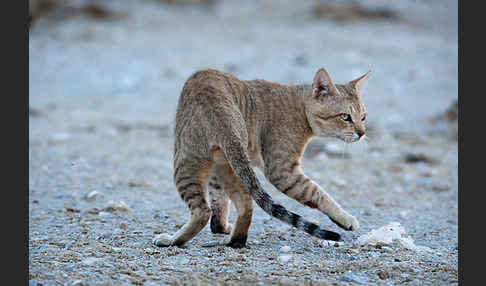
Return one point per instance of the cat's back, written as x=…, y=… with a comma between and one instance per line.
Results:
x=210, y=86
x=208, y=93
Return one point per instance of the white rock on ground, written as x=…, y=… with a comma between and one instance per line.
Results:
x=387, y=234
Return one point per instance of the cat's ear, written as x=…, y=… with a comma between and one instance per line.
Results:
x=359, y=82
x=322, y=84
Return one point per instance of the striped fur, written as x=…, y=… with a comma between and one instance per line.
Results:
x=225, y=126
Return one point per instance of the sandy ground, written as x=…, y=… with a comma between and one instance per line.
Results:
x=102, y=102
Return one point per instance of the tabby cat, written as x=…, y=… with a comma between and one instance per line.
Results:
x=225, y=126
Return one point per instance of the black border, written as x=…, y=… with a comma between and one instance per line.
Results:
x=15, y=136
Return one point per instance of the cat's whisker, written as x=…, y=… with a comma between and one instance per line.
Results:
x=344, y=146
x=364, y=144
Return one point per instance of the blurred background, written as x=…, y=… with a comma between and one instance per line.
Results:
x=128, y=60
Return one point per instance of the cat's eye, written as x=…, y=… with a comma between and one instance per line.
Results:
x=363, y=118
x=345, y=117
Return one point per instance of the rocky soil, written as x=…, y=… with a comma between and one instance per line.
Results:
x=103, y=88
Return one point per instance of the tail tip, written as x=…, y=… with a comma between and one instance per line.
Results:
x=330, y=235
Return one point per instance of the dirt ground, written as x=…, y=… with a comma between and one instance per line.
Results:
x=104, y=84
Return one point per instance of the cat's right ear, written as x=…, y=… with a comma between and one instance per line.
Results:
x=322, y=84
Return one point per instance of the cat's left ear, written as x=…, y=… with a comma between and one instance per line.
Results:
x=322, y=84
x=359, y=82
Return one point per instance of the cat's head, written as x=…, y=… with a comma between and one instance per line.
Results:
x=336, y=111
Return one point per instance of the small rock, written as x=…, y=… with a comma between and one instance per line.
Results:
x=71, y=209
x=285, y=249
x=91, y=196
x=104, y=214
x=105, y=235
x=383, y=274
x=79, y=282
x=151, y=251
x=355, y=277
x=353, y=251
x=137, y=184
x=314, y=221
x=117, y=206
x=285, y=258
x=90, y=260
x=383, y=235
x=412, y=158
x=440, y=187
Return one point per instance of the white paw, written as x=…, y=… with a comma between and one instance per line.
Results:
x=162, y=240
x=353, y=223
x=346, y=221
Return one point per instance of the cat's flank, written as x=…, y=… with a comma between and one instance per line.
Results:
x=225, y=126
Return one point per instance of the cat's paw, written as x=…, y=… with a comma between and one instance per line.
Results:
x=237, y=242
x=218, y=228
x=162, y=240
x=346, y=221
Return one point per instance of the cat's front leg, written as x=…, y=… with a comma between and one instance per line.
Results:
x=290, y=180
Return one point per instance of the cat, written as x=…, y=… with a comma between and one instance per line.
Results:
x=224, y=126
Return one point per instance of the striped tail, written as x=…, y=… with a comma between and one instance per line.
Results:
x=238, y=159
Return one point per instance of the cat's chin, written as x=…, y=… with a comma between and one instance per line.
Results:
x=348, y=140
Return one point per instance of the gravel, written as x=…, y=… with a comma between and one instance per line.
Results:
x=102, y=102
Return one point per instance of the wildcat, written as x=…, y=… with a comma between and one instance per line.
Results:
x=225, y=126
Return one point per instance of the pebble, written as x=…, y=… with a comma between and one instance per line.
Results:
x=79, y=282
x=91, y=196
x=285, y=249
x=90, y=260
x=117, y=206
x=383, y=274
x=285, y=258
x=355, y=278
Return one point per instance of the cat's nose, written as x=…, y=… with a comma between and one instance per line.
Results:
x=360, y=133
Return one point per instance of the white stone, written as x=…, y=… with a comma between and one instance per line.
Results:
x=285, y=258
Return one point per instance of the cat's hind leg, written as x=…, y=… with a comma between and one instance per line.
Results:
x=220, y=205
x=243, y=203
x=190, y=176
